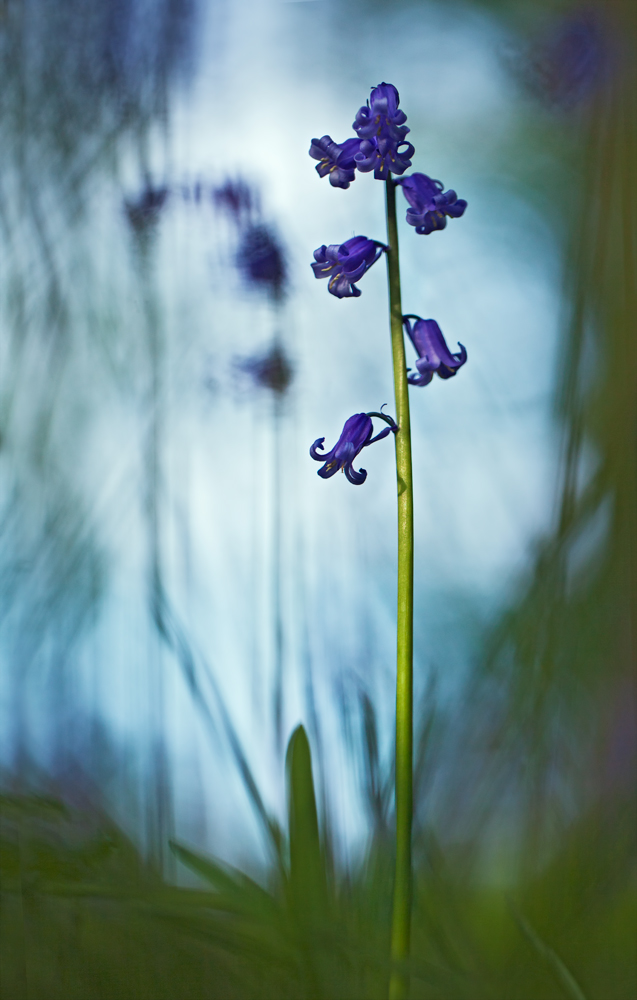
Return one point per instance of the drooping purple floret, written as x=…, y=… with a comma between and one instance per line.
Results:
x=335, y=159
x=430, y=205
x=433, y=353
x=380, y=117
x=346, y=263
x=380, y=127
x=356, y=435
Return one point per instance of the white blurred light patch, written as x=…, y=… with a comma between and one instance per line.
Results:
x=484, y=452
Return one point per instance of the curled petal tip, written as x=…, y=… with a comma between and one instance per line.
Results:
x=354, y=477
x=314, y=448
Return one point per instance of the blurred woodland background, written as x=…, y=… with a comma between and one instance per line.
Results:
x=179, y=590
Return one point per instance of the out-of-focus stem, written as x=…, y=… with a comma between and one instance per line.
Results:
x=401, y=916
x=277, y=515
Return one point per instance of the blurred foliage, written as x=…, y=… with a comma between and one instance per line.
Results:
x=83, y=915
x=560, y=663
x=79, y=81
x=83, y=86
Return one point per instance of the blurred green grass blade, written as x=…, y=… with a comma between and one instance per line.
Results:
x=175, y=636
x=239, y=889
x=564, y=977
x=378, y=781
x=308, y=883
x=211, y=871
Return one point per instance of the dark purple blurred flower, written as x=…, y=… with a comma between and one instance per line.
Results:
x=572, y=59
x=260, y=258
x=430, y=206
x=379, y=126
x=433, y=353
x=144, y=210
x=346, y=263
x=269, y=370
x=336, y=159
x=356, y=435
x=237, y=199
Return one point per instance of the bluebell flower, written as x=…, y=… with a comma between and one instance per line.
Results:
x=379, y=126
x=336, y=159
x=346, y=263
x=143, y=211
x=261, y=259
x=573, y=59
x=430, y=205
x=237, y=199
x=356, y=435
x=269, y=369
x=433, y=353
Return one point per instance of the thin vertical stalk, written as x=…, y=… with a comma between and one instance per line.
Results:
x=401, y=916
x=159, y=806
x=276, y=571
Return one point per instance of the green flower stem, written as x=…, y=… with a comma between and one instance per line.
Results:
x=401, y=916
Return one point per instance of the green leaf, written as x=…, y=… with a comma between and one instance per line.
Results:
x=243, y=894
x=308, y=883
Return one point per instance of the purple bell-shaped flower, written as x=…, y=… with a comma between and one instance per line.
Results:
x=430, y=205
x=433, y=354
x=346, y=263
x=336, y=159
x=356, y=435
x=381, y=129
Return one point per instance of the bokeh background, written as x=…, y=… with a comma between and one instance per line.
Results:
x=179, y=588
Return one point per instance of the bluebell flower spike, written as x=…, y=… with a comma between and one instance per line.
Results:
x=336, y=160
x=429, y=204
x=357, y=434
x=380, y=126
x=345, y=263
x=434, y=357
